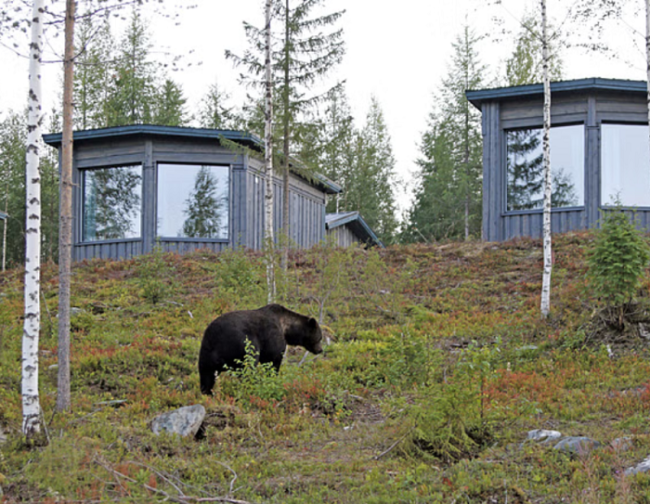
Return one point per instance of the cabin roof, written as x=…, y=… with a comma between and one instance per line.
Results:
x=3, y=215
x=356, y=224
x=477, y=97
x=243, y=138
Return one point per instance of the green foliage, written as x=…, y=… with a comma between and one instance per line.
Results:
x=439, y=365
x=154, y=276
x=254, y=380
x=451, y=420
x=447, y=203
x=617, y=261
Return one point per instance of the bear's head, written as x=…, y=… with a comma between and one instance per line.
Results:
x=313, y=337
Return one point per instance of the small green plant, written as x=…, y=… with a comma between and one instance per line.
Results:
x=616, y=263
x=153, y=276
x=256, y=381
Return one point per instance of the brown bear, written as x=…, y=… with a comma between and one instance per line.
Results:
x=270, y=329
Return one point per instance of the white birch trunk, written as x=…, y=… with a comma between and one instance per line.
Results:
x=31, y=327
x=647, y=52
x=268, y=161
x=65, y=219
x=548, y=251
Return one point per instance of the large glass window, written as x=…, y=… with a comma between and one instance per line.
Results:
x=625, y=165
x=525, y=168
x=193, y=201
x=112, y=203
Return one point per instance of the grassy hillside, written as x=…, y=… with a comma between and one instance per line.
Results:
x=439, y=365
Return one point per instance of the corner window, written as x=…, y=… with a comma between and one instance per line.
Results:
x=525, y=170
x=625, y=158
x=193, y=201
x=112, y=203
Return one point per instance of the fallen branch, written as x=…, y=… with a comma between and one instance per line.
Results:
x=181, y=497
x=391, y=447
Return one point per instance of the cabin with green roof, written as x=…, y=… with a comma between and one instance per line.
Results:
x=600, y=155
x=184, y=188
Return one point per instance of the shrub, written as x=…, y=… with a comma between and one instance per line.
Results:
x=617, y=262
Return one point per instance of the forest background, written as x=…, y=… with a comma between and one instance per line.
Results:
x=381, y=127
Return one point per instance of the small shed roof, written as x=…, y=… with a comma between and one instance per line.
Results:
x=3, y=216
x=241, y=137
x=477, y=97
x=356, y=224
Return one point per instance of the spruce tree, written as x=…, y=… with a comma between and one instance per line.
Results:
x=370, y=175
x=214, y=111
x=453, y=172
x=204, y=208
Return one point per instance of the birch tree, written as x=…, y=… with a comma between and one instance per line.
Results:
x=31, y=403
x=548, y=251
x=268, y=156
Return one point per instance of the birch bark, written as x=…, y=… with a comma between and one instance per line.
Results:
x=268, y=160
x=647, y=52
x=548, y=261
x=65, y=223
x=31, y=327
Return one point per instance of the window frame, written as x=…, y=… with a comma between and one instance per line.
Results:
x=504, y=178
x=601, y=203
x=187, y=239
x=82, y=206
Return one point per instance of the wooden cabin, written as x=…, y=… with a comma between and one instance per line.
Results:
x=349, y=228
x=600, y=154
x=184, y=188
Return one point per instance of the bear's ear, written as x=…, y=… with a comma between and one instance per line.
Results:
x=312, y=322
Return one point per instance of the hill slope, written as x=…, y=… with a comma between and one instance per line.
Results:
x=439, y=365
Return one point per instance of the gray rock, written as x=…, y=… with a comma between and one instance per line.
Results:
x=3, y=437
x=184, y=421
x=577, y=444
x=544, y=436
x=641, y=467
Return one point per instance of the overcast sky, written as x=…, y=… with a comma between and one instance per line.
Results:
x=396, y=51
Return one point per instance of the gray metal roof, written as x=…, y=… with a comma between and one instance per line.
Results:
x=356, y=224
x=477, y=97
x=241, y=137
x=247, y=139
x=3, y=216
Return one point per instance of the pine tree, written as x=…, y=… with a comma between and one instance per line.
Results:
x=455, y=207
x=94, y=70
x=370, y=175
x=170, y=105
x=328, y=140
x=214, y=111
x=132, y=95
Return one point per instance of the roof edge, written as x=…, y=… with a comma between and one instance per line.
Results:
x=477, y=97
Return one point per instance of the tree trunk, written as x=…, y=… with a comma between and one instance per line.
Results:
x=268, y=162
x=65, y=223
x=647, y=53
x=548, y=261
x=286, y=132
x=4, y=229
x=31, y=327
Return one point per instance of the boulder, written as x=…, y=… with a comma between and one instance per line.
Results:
x=184, y=421
x=577, y=444
x=641, y=467
x=544, y=436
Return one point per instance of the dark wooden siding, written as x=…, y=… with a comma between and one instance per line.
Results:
x=246, y=226
x=342, y=236
x=122, y=249
x=588, y=108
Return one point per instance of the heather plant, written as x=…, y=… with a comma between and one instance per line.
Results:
x=616, y=263
x=154, y=276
